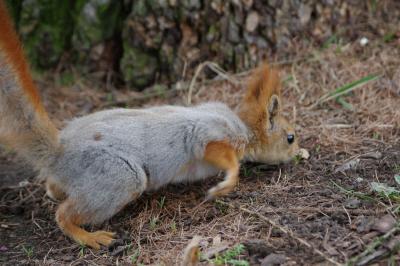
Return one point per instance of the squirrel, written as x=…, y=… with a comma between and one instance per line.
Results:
x=100, y=162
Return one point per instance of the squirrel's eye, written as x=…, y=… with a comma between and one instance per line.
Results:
x=290, y=138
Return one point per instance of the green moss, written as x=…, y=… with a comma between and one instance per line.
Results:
x=138, y=68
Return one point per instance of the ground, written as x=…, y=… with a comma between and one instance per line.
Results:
x=318, y=211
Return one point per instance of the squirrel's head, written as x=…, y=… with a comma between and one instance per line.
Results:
x=273, y=139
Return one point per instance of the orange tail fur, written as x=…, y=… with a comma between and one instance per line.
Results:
x=24, y=123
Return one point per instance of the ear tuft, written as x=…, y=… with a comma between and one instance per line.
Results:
x=263, y=83
x=273, y=109
x=262, y=98
x=274, y=106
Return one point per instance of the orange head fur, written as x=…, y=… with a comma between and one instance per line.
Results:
x=274, y=140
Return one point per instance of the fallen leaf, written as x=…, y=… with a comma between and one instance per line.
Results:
x=397, y=179
x=385, y=189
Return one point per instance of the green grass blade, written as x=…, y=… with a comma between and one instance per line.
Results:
x=352, y=85
x=345, y=89
x=345, y=104
x=348, y=87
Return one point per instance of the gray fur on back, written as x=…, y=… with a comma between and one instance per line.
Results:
x=112, y=155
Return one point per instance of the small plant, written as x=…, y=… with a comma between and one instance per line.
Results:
x=353, y=193
x=344, y=103
x=65, y=78
x=297, y=159
x=246, y=171
x=153, y=223
x=109, y=97
x=374, y=4
x=386, y=191
x=389, y=37
x=376, y=135
x=81, y=250
x=231, y=257
x=317, y=148
x=333, y=39
x=173, y=226
x=161, y=202
x=221, y=207
x=345, y=89
x=287, y=80
x=160, y=90
x=134, y=257
x=28, y=251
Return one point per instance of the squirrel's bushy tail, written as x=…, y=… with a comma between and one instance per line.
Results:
x=24, y=123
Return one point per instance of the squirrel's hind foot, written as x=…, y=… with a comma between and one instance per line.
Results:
x=70, y=222
x=95, y=239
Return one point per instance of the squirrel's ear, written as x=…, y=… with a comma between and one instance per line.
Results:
x=273, y=108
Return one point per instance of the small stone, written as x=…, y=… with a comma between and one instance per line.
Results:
x=233, y=32
x=118, y=251
x=67, y=258
x=304, y=13
x=23, y=183
x=363, y=224
x=273, y=259
x=364, y=41
x=247, y=3
x=353, y=203
x=252, y=21
x=384, y=224
x=393, y=243
x=350, y=165
x=359, y=179
x=257, y=247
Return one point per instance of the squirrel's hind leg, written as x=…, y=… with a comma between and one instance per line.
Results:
x=223, y=156
x=97, y=198
x=69, y=221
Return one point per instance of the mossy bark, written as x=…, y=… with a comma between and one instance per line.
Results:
x=141, y=42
